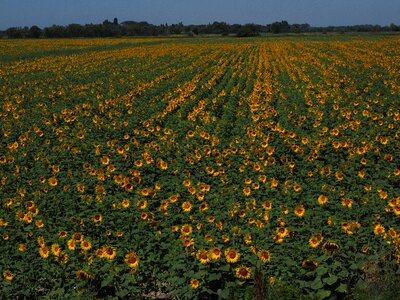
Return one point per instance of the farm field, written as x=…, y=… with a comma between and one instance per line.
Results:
x=199, y=168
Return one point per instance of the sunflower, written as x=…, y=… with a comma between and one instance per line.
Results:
x=267, y=205
x=97, y=218
x=77, y=236
x=41, y=241
x=132, y=259
x=231, y=255
x=322, y=199
x=315, y=240
x=243, y=272
x=330, y=247
x=186, y=206
x=125, y=203
x=52, y=181
x=299, y=210
x=215, y=253
x=347, y=202
x=62, y=234
x=99, y=253
x=142, y=204
x=194, y=283
x=86, y=245
x=105, y=160
x=173, y=198
x=7, y=275
x=186, y=229
x=80, y=187
x=203, y=256
x=379, y=229
x=55, y=249
x=109, y=252
x=44, y=251
x=247, y=191
x=21, y=247
x=188, y=242
x=297, y=187
x=71, y=244
x=264, y=255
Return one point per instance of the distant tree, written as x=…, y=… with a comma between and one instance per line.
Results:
x=56, y=31
x=15, y=33
x=394, y=27
x=276, y=27
x=115, y=22
x=248, y=30
x=35, y=32
x=75, y=30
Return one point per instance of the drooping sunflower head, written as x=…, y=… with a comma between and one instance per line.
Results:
x=330, y=247
x=309, y=264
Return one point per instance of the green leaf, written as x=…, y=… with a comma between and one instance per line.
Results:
x=344, y=273
x=342, y=288
x=317, y=284
x=107, y=281
x=321, y=270
x=225, y=268
x=122, y=293
x=224, y=294
x=322, y=294
x=331, y=279
x=214, y=276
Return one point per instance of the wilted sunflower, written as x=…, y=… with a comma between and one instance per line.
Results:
x=243, y=272
x=309, y=264
x=330, y=247
x=82, y=275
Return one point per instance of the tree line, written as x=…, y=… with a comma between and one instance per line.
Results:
x=133, y=28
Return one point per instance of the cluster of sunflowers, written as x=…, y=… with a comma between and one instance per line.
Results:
x=196, y=159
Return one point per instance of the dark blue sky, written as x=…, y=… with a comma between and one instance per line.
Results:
x=315, y=12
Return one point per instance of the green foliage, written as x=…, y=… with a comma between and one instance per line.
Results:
x=199, y=169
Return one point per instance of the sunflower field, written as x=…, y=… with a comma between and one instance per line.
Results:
x=213, y=168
